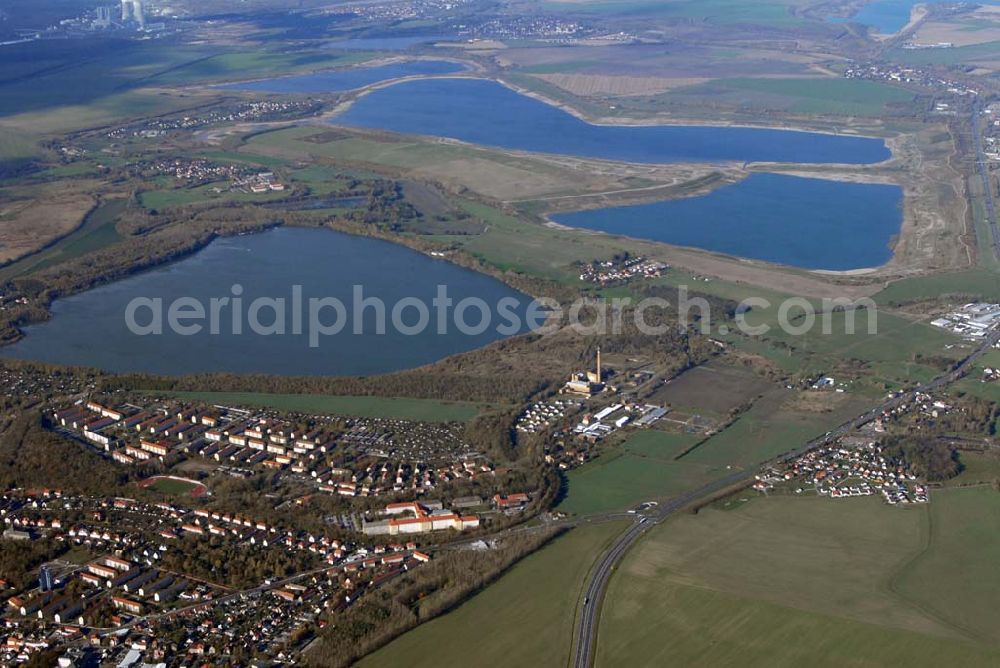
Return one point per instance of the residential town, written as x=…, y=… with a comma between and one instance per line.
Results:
x=120, y=586
x=908, y=74
x=345, y=457
x=848, y=470
x=259, y=110
x=620, y=271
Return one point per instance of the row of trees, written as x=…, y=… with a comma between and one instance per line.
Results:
x=416, y=597
x=929, y=458
x=31, y=456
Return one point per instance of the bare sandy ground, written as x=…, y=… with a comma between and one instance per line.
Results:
x=964, y=30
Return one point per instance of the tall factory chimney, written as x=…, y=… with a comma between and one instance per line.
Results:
x=132, y=11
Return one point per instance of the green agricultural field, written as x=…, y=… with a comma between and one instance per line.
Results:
x=794, y=580
x=984, y=237
x=768, y=12
x=774, y=425
x=510, y=244
x=245, y=158
x=562, y=67
x=91, y=83
x=400, y=154
x=489, y=172
x=83, y=71
x=164, y=199
x=971, y=284
x=255, y=64
x=977, y=468
x=119, y=107
x=16, y=149
x=806, y=95
x=618, y=480
x=955, y=577
x=882, y=337
x=656, y=444
x=526, y=618
x=429, y=410
x=713, y=389
x=986, y=52
x=973, y=382
x=974, y=386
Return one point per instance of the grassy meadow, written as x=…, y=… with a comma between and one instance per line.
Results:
x=805, y=95
x=526, y=618
x=786, y=581
x=618, y=480
x=722, y=12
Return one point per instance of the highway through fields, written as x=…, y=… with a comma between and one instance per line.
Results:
x=590, y=605
x=982, y=168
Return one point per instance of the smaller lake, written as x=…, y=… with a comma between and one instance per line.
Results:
x=90, y=328
x=890, y=16
x=807, y=223
x=386, y=43
x=336, y=81
x=887, y=17
x=485, y=112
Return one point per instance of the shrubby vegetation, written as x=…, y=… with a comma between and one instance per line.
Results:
x=34, y=457
x=20, y=558
x=234, y=565
x=151, y=241
x=930, y=459
x=415, y=597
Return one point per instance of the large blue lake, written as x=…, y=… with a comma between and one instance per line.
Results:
x=808, y=223
x=485, y=112
x=90, y=328
x=349, y=79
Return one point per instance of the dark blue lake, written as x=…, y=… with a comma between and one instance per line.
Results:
x=808, y=223
x=485, y=112
x=349, y=79
x=90, y=328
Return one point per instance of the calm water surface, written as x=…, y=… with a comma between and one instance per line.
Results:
x=485, y=112
x=89, y=328
x=808, y=223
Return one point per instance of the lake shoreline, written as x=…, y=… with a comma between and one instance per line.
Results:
x=598, y=121
x=273, y=278
x=755, y=217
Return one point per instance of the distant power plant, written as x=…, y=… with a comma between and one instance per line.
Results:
x=132, y=12
x=103, y=17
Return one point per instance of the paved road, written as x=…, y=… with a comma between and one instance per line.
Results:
x=983, y=169
x=590, y=606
